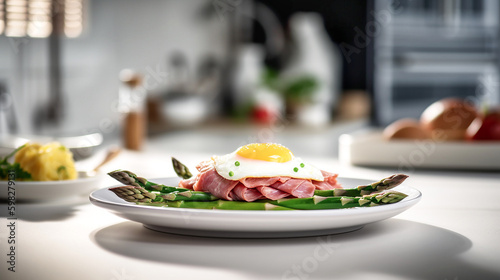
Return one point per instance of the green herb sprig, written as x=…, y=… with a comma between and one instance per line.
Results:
x=6, y=167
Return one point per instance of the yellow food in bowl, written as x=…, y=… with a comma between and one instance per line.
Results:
x=49, y=162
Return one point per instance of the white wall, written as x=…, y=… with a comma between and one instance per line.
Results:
x=119, y=34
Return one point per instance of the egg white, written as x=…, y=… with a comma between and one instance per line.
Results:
x=227, y=167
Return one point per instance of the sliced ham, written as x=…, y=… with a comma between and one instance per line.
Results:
x=189, y=183
x=272, y=193
x=330, y=177
x=296, y=187
x=323, y=185
x=258, y=182
x=204, y=166
x=210, y=181
x=251, y=189
x=329, y=183
x=240, y=192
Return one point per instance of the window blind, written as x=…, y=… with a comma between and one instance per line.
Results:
x=34, y=18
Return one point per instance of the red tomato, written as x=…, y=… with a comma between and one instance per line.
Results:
x=263, y=115
x=485, y=128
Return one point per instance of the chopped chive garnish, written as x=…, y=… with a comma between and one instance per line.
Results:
x=237, y=163
x=302, y=165
x=296, y=169
x=231, y=173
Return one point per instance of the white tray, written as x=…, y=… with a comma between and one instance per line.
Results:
x=368, y=148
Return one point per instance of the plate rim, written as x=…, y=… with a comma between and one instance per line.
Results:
x=30, y=191
x=56, y=182
x=407, y=202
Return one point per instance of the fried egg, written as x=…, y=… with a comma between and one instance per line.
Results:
x=259, y=160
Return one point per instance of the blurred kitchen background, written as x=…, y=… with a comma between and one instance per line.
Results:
x=119, y=67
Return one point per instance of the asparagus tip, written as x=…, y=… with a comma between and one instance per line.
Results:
x=181, y=170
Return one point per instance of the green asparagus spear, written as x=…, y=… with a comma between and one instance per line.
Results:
x=336, y=202
x=189, y=196
x=160, y=195
x=227, y=205
x=140, y=195
x=219, y=204
x=128, y=178
x=181, y=170
x=136, y=194
x=169, y=196
x=382, y=185
x=311, y=203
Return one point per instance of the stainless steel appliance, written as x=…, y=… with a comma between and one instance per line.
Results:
x=426, y=50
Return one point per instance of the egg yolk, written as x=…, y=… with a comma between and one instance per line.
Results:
x=265, y=152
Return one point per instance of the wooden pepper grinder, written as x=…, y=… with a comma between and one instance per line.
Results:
x=132, y=101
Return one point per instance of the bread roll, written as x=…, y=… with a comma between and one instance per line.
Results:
x=448, y=119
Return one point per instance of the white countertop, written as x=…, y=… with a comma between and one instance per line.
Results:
x=452, y=233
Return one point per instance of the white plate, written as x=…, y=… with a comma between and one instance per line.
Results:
x=253, y=224
x=31, y=191
x=369, y=148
